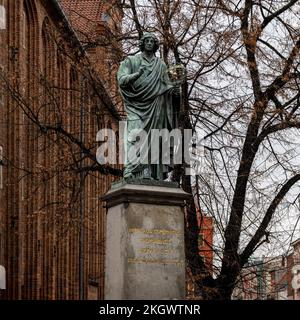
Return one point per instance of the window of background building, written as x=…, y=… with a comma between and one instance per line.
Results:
x=2, y=16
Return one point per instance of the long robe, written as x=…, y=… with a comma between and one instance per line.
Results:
x=148, y=101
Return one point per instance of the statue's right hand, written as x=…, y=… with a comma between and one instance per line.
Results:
x=136, y=75
x=142, y=70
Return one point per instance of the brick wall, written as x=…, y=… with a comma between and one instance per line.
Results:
x=206, y=241
x=43, y=202
x=205, y=246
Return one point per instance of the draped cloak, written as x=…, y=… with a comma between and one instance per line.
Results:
x=148, y=100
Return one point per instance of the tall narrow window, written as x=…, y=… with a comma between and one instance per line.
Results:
x=2, y=16
x=24, y=29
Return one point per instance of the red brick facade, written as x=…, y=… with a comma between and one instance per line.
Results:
x=205, y=241
x=293, y=267
x=97, y=24
x=47, y=211
x=205, y=246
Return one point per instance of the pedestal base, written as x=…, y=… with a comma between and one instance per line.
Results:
x=145, y=256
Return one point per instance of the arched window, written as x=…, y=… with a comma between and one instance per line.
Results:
x=30, y=35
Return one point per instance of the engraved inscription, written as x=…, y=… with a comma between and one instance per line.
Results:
x=154, y=231
x=156, y=241
x=162, y=246
x=147, y=261
x=154, y=250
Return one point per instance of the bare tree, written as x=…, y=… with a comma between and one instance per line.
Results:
x=243, y=91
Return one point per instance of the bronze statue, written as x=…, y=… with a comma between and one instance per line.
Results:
x=151, y=102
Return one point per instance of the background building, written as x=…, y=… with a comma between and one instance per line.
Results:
x=53, y=100
x=205, y=246
x=263, y=279
x=293, y=266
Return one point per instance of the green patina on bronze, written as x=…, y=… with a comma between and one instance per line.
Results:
x=149, y=101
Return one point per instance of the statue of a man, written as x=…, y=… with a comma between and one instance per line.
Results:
x=150, y=103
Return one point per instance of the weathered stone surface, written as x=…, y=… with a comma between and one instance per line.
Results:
x=145, y=256
x=165, y=194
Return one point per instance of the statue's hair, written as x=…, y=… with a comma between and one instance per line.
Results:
x=149, y=35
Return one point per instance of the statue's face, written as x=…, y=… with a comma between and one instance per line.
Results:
x=149, y=44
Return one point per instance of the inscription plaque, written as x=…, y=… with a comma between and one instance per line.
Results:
x=162, y=246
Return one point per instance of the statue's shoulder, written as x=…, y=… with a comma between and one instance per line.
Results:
x=137, y=57
x=131, y=60
x=134, y=57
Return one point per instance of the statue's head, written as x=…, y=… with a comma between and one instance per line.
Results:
x=149, y=35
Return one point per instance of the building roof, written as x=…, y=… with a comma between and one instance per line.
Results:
x=62, y=9
x=55, y=9
x=85, y=16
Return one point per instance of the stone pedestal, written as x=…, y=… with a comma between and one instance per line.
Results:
x=145, y=256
